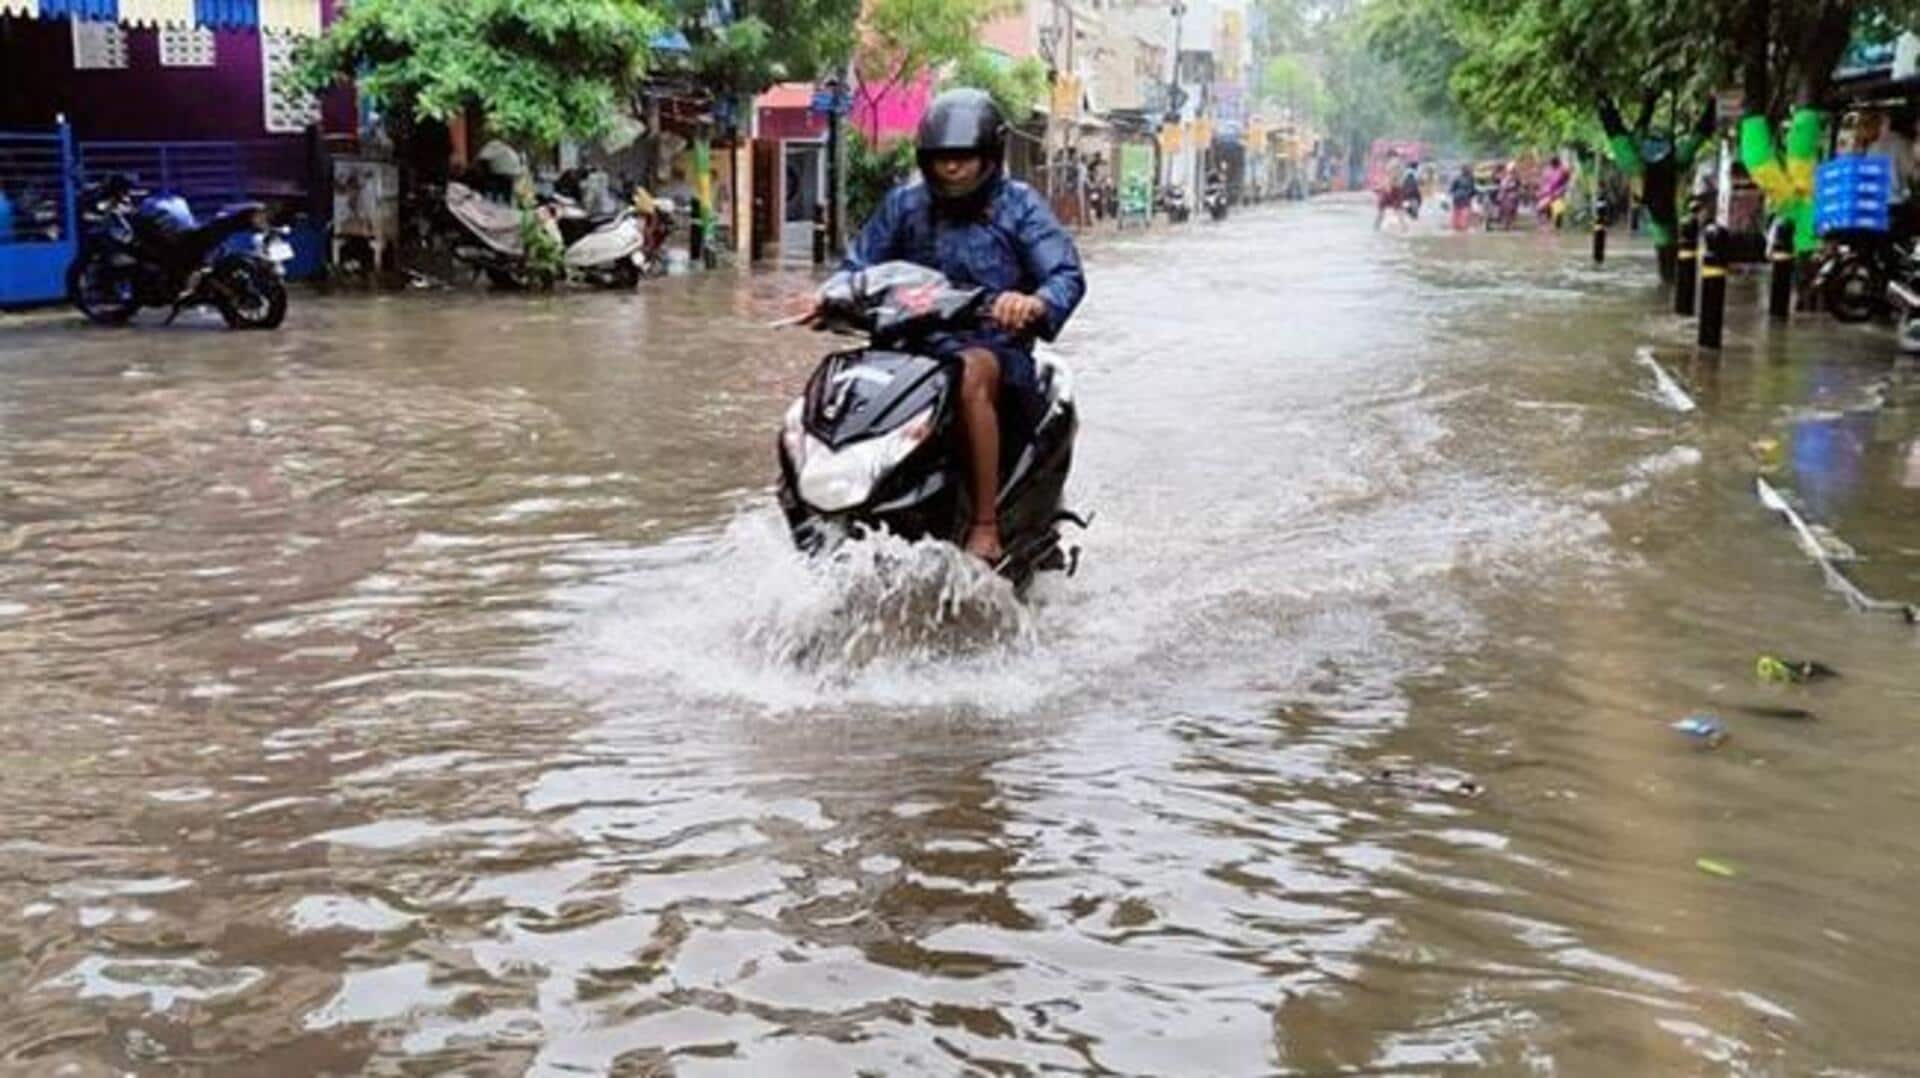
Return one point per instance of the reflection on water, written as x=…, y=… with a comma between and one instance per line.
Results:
x=430, y=687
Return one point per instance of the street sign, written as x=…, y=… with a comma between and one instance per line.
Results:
x=828, y=102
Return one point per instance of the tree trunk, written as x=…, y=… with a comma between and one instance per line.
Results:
x=1756, y=36
x=1825, y=46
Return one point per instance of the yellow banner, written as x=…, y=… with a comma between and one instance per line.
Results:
x=1203, y=133
x=1170, y=138
x=1066, y=97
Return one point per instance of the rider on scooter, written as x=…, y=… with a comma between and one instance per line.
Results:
x=982, y=230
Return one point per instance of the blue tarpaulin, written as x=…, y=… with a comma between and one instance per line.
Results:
x=96, y=10
x=671, y=41
x=227, y=14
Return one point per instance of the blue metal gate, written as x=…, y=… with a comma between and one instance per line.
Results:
x=38, y=226
x=207, y=174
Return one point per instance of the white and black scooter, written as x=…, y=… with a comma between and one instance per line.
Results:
x=609, y=252
x=1216, y=201
x=874, y=442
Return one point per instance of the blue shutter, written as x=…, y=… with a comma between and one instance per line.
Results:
x=90, y=10
x=227, y=14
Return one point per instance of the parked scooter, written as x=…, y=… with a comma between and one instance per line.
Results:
x=139, y=250
x=1173, y=203
x=1216, y=201
x=600, y=251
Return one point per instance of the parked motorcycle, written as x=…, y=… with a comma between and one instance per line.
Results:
x=1173, y=203
x=1859, y=267
x=139, y=250
x=604, y=251
x=1216, y=201
x=874, y=442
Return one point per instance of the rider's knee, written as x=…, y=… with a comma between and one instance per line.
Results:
x=979, y=374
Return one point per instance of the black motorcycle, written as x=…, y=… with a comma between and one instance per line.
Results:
x=873, y=444
x=148, y=251
x=1854, y=276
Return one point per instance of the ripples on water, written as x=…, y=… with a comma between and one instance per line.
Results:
x=465, y=708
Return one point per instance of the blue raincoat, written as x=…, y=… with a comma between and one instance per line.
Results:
x=1016, y=244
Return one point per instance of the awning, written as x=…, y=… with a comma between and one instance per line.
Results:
x=92, y=10
x=300, y=17
x=227, y=14
x=156, y=12
x=275, y=16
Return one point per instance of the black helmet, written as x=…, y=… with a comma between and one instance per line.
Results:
x=961, y=121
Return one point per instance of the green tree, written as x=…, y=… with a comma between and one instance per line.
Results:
x=873, y=170
x=539, y=70
x=903, y=40
x=1318, y=51
x=1289, y=81
x=1534, y=69
x=767, y=41
x=1015, y=85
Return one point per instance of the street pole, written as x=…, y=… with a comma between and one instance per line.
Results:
x=1173, y=97
x=1599, y=230
x=836, y=164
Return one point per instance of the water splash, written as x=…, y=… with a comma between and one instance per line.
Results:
x=742, y=616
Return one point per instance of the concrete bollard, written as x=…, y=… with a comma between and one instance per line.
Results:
x=819, y=234
x=1599, y=231
x=1713, y=285
x=1683, y=267
x=1780, y=284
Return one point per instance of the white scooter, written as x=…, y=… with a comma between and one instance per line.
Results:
x=608, y=252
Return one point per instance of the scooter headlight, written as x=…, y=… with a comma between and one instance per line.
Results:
x=832, y=481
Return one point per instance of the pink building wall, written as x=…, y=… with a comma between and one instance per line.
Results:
x=883, y=113
x=1010, y=34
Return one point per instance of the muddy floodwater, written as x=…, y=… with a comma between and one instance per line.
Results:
x=428, y=687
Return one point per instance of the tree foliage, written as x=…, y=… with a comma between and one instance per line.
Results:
x=539, y=70
x=902, y=39
x=1291, y=81
x=1016, y=86
x=767, y=41
x=1534, y=69
x=873, y=170
x=1318, y=61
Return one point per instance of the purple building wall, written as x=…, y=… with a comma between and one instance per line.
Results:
x=148, y=102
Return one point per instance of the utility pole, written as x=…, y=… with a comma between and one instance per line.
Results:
x=1175, y=99
x=839, y=93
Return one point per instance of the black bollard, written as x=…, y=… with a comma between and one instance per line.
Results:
x=1684, y=266
x=819, y=234
x=1713, y=285
x=1780, y=254
x=697, y=234
x=1599, y=231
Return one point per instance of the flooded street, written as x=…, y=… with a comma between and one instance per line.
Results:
x=414, y=690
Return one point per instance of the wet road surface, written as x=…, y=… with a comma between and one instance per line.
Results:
x=418, y=690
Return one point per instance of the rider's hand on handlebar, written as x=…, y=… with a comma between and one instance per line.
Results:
x=1016, y=311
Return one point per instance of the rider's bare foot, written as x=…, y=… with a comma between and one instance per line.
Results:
x=983, y=541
